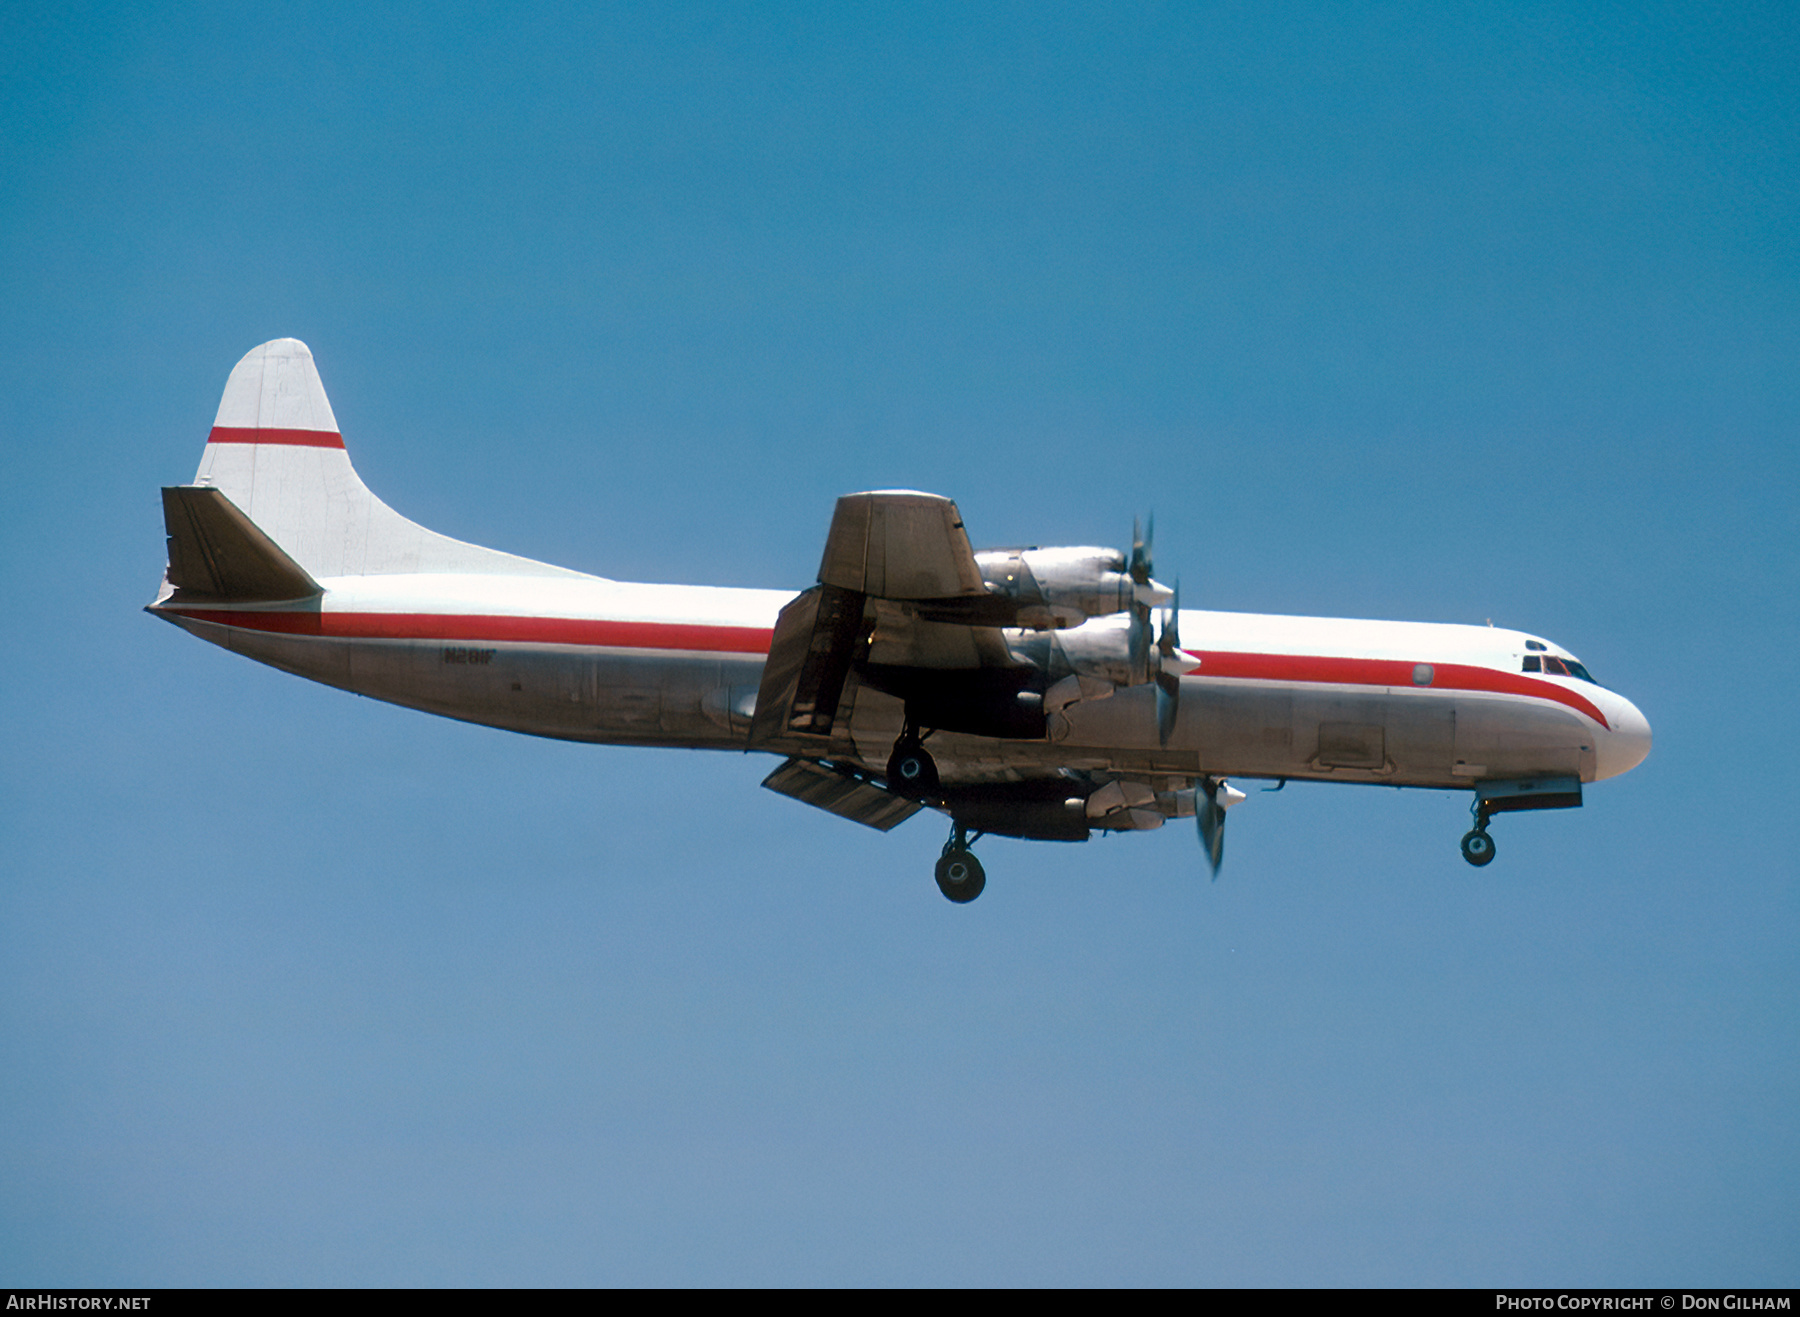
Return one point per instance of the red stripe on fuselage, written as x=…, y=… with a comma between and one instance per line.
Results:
x=1325, y=670
x=1301, y=669
x=236, y=434
x=595, y=632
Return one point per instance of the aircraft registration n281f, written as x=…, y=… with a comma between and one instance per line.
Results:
x=1044, y=693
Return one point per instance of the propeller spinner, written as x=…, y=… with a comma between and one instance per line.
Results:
x=1213, y=797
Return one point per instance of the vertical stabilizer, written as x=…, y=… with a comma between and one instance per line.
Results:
x=276, y=452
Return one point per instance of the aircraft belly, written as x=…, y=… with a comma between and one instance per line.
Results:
x=1331, y=734
x=566, y=691
x=562, y=691
x=1421, y=736
x=1502, y=738
x=1244, y=729
x=730, y=704
x=317, y=658
x=1120, y=732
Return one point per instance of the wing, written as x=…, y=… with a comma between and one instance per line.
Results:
x=899, y=592
x=900, y=544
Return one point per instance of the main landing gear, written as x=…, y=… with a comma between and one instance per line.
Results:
x=1477, y=846
x=959, y=874
x=911, y=771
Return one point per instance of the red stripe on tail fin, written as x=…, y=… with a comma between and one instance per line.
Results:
x=235, y=434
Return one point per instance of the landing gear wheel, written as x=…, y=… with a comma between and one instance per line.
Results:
x=960, y=875
x=911, y=770
x=1478, y=847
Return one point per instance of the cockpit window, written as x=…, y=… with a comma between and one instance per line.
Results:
x=1559, y=667
x=1537, y=645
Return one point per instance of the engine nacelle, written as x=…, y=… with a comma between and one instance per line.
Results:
x=1060, y=587
x=1091, y=661
x=1099, y=651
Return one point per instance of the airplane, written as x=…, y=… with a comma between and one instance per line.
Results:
x=1040, y=693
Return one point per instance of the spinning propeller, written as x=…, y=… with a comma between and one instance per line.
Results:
x=1166, y=664
x=1163, y=662
x=1212, y=797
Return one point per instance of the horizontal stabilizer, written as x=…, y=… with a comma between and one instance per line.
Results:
x=842, y=794
x=217, y=553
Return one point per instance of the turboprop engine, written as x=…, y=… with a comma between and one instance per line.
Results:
x=1061, y=587
x=1119, y=642
x=1079, y=622
x=1091, y=661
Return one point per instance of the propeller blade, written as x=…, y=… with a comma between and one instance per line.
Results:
x=1141, y=643
x=1212, y=827
x=1172, y=664
x=1170, y=639
x=1168, y=704
x=1212, y=797
x=1140, y=551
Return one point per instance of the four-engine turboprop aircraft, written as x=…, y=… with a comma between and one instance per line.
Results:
x=1042, y=693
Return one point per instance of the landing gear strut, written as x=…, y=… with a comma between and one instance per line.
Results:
x=959, y=874
x=1477, y=846
x=911, y=771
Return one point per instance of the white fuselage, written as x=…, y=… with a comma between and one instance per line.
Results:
x=582, y=658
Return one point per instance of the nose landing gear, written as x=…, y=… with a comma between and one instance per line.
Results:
x=1477, y=846
x=960, y=876
x=1559, y=791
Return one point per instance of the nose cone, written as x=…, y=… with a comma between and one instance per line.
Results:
x=1626, y=743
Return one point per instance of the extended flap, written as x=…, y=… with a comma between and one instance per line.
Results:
x=217, y=552
x=842, y=794
x=809, y=658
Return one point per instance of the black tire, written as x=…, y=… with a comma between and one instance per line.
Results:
x=912, y=771
x=960, y=876
x=1478, y=848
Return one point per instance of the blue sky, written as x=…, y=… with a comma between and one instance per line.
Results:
x=1435, y=312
